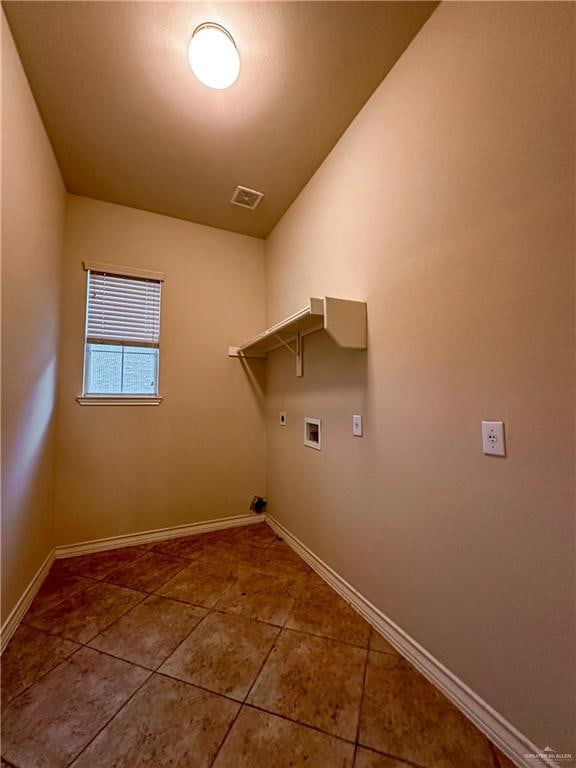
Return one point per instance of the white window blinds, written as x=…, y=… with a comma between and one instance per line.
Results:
x=123, y=310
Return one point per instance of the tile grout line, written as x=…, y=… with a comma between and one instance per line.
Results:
x=364, y=673
x=209, y=611
x=397, y=758
x=172, y=576
x=215, y=611
x=100, y=580
x=118, y=658
x=250, y=705
x=106, y=576
x=246, y=703
x=103, y=580
x=147, y=596
x=107, y=723
x=157, y=550
x=9, y=764
x=331, y=638
x=240, y=705
x=300, y=723
x=76, y=594
x=219, y=695
x=62, y=560
x=257, y=675
x=82, y=646
x=173, y=651
x=243, y=702
x=8, y=702
x=86, y=644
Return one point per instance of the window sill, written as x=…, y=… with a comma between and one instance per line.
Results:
x=118, y=400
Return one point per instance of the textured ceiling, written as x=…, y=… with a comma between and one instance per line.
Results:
x=130, y=123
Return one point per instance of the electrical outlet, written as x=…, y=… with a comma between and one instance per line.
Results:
x=493, y=438
x=282, y=418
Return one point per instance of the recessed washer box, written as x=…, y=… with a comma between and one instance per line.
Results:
x=313, y=433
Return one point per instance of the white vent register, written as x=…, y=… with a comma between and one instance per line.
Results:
x=246, y=198
x=342, y=319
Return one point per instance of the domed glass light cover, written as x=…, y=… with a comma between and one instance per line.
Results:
x=213, y=56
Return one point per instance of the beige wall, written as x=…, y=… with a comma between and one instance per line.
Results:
x=201, y=453
x=33, y=202
x=448, y=206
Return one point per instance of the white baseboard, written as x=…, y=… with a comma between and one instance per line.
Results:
x=17, y=614
x=500, y=732
x=158, y=534
x=100, y=545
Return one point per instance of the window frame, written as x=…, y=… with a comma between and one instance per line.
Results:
x=119, y=399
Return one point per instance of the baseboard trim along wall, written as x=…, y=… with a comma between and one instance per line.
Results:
x=500, y=732
x=17, y=614
x=100, y=545
x=158, y=534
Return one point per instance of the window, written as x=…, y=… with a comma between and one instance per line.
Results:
x=122, y=343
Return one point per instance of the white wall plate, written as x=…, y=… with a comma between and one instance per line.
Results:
x=313, y=433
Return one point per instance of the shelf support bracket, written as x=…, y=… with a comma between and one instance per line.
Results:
x=285, y=343
x=299, y=366
x=297, y=351
x=237, y=352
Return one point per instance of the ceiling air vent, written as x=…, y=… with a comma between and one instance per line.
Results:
x=246, y=198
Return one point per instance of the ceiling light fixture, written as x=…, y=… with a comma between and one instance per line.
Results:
x=213, y=56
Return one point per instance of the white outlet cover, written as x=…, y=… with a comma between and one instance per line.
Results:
x=493, y=438
x=282, y=418
x=357, y=425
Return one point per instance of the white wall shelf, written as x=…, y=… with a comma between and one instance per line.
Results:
x=344, y=321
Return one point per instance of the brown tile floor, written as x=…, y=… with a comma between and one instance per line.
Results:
x=222, y=650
